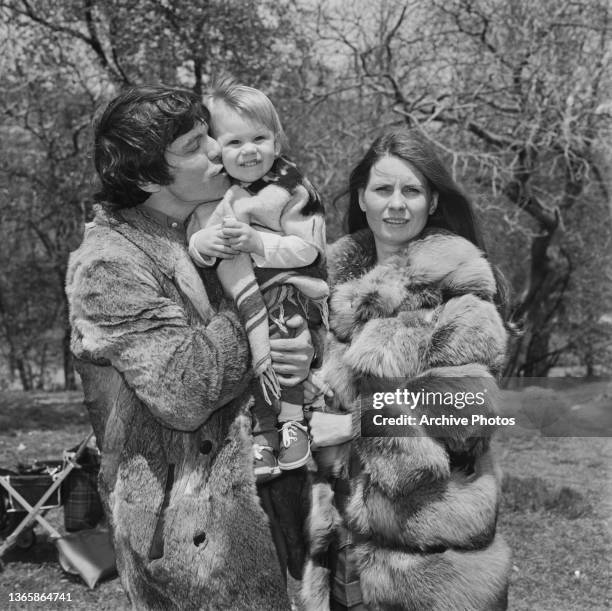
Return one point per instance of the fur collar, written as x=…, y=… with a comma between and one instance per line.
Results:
x=437, y=257
x=351, y=256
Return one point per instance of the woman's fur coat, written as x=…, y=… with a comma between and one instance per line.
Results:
x=422, y=508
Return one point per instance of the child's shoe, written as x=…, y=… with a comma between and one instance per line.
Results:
x=294, y=447
x=265, y=464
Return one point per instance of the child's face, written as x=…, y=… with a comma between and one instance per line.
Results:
x=248, y=148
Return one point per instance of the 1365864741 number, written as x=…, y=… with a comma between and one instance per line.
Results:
x=41, y=597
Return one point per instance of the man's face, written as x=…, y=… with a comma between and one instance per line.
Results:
x=195, y=164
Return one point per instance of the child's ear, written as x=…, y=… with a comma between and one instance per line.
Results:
x=277, y=147
x=361, y=204
x=149, y=187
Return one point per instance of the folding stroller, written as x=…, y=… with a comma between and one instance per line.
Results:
x=20, y=495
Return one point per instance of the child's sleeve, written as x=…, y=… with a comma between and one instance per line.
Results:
x=263, y=209
x=310, y=228
x=284, y=251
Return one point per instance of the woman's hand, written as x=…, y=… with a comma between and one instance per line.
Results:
x=330, y=429
x=291, y=357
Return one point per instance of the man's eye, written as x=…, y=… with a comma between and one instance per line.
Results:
x=194, y=146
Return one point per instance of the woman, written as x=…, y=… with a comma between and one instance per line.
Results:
x=412, y=522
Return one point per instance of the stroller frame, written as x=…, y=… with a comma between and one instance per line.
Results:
x=33, y=511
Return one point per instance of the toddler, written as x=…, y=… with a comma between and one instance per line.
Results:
x=275, y=220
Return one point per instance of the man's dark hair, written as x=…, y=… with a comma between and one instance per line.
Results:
x=131, y=138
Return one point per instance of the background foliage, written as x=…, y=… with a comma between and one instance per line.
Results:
x=516, y=96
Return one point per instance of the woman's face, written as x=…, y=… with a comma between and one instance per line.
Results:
x=396, y=202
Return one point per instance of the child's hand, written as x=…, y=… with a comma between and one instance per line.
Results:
x=210, y=242
x=242, y=237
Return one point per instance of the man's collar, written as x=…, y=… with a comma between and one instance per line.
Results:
x=162, y=219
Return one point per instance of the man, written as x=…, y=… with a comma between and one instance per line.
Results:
x=165, y=369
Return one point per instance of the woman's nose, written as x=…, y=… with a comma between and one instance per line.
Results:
x=397, y=200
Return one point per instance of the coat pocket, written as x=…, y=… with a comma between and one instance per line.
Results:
x=156, y=550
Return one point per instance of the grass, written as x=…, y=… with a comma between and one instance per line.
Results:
x=555, y=513
x=35, y=426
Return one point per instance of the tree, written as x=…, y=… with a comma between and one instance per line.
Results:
x=515, y=95
x=511, y=93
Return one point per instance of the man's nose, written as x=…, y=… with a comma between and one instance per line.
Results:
x=214, y=150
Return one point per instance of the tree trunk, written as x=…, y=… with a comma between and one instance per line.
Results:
x=589, y=362
x=531, y=312
x=42, y=365
x=69, y=376
x=537, y=359
x=25, y=373
x=197, y=73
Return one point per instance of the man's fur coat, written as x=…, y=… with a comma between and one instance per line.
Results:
x=422, y=508
x=165, y=377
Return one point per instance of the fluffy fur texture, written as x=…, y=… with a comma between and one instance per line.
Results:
x=422, y=508
x=164, y=380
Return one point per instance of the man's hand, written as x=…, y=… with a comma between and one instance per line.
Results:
x=315, y=386
x=242, y=236
x=291, y=357
x=330, y=429
x=210, y=242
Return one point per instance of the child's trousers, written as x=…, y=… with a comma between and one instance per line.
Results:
x=290, y=405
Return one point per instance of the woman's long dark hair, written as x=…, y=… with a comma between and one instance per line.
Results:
x=454, y=211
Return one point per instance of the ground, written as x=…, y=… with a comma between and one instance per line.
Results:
x=555, y=514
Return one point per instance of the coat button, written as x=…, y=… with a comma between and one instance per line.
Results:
x=206, y=446
x=174, y=225
x=199, y=538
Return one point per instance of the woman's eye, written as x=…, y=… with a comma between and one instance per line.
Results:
x=383, y=189
x=411, y=190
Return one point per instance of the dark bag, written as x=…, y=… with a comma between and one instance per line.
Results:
x=345, y=587
x=88, y=553
x=344, y=575
x=82, y=505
